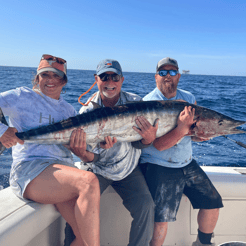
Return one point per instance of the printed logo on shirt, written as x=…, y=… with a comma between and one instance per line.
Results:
x=50, y=119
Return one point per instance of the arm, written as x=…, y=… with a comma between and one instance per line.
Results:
x=185, y=121
x=9, y=139
x=7, y=134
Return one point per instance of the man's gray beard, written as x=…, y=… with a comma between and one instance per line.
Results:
x=168, y=88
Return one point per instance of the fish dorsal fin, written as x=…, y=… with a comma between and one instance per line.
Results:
x=95, y=105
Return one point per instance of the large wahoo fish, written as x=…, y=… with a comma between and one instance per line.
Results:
x=118, y=122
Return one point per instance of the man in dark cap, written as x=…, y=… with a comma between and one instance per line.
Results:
x=171, y=171
x=116, y=163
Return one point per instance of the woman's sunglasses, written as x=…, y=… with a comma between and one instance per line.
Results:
x=53, y=58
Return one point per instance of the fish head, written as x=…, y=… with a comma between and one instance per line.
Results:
x=210, y=124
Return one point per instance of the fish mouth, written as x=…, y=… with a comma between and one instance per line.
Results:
x=236, y=130
x=237, y=124
x=208, y=135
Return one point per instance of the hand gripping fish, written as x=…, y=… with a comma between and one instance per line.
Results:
x=118, y=121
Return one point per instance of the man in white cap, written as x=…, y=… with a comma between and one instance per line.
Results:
x=170, y=170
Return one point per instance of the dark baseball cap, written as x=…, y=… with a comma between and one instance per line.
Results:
x=167, y=61
x=109, y=65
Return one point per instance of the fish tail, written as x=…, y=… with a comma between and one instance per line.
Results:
x=2, y=120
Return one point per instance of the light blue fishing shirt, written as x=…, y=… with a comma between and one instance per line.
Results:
x=27, y=110
x=180, y=154
x=119, y=161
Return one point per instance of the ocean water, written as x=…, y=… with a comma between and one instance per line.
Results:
x=225, y=94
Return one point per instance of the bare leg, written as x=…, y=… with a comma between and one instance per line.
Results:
x=58, y=184
x=159, y=235
x=67, y=210
x=207, y=219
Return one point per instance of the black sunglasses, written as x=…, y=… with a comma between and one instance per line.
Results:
x=53, y=58
x=165, y=72
x=105, y=77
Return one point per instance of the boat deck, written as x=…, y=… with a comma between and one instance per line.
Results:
x=31, y=224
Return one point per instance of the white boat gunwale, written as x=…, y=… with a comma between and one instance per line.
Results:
x=28, y=224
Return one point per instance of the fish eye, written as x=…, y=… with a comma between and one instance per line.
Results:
x=220, y=122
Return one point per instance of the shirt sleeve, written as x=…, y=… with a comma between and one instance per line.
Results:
x=6, y=98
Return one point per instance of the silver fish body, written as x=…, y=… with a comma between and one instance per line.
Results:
x=118, y=122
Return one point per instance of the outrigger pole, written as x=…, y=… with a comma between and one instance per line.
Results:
x=237, y=142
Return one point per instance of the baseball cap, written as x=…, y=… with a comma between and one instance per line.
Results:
x=109, y=65
x=167, y=61
x=52, y=64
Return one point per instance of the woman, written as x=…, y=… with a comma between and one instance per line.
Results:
x=44, y=173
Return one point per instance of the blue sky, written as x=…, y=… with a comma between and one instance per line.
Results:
x=206, y=37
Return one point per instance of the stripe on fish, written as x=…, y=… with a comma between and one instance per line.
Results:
x=118, y=121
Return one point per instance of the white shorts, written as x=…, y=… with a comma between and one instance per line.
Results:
x=24, y=172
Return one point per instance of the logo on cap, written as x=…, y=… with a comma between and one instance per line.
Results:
x=50, y=62
x=108, y=64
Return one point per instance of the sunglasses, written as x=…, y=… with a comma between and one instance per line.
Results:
x=165, y=72
x=53, y=58
x=105, y=77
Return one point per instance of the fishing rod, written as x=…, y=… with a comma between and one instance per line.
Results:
x=237, y=142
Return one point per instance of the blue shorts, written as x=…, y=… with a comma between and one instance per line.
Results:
x=167, y=185
x=24, y=172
